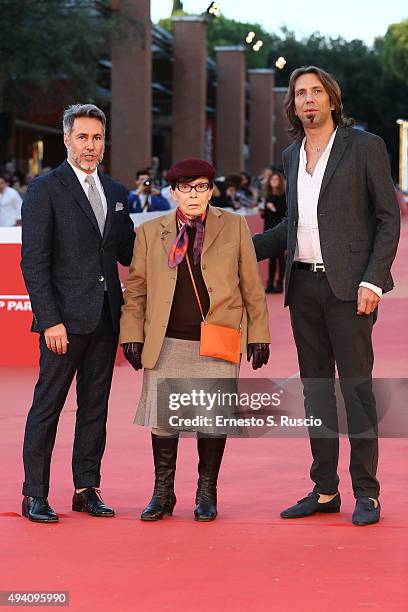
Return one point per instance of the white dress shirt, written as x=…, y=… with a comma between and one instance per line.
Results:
x=308, y=186
x=81, y=176
x=10, y=207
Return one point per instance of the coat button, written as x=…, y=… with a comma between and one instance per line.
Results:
x=203, y=267
x=102, y=250
x=210, y=312
x=101, y=278
x=210, y=289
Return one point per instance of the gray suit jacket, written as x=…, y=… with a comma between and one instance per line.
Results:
x=358, y=215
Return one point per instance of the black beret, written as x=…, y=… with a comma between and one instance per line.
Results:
x=190, y=167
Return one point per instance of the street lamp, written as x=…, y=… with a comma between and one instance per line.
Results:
x=257, y=45
x=214, y=9
x=280, y=63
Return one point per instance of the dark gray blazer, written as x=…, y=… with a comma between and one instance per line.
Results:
x=358, y=215
x=65, y=260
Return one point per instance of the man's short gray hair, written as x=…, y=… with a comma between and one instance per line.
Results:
x=81, y=110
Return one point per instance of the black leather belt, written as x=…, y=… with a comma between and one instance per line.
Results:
x=312, y=267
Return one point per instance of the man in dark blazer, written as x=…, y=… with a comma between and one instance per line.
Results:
x=76, y=228
x=341, y=234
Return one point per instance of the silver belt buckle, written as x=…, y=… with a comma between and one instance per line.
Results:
x=317, y=267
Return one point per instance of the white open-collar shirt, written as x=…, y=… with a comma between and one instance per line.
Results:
x=308, y=187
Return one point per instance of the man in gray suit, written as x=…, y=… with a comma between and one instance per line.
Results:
x=341, y=233
x=76, y=228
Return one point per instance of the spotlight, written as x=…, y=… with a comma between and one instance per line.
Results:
x=214, y=9
x=280, y=62
x=250, y=37
x=257, y=45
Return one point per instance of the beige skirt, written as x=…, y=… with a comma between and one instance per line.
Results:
x=179, y=359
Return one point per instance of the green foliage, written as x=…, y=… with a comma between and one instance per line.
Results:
x=51, y=47
x=166, y=22
x=223, y=31
x=393, y=49
x=371, y=94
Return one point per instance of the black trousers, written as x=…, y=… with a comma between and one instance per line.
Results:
x=92, y=358
x=280, y=260
x=328, y=333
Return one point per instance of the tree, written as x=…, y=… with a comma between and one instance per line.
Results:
x=393, y=49
x=371, y=94
x=51, y=48
x=177, y=6
x=223, y=31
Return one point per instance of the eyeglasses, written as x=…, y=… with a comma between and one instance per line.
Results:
x=186, y=187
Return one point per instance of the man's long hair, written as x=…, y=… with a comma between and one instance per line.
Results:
x=332, y=88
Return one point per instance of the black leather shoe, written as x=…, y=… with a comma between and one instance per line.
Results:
x=38, y=509
x=90, y=501
x=310, y=505
x=165, y=459
x=210, y=451
x=365, y=512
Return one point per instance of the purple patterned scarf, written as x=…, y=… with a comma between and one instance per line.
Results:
x=180, y=245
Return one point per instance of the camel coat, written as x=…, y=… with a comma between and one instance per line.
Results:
x=229, y=269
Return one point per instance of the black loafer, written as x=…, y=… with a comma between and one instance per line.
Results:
x=365, y=512
x=38, y=510
x=310, y=505
x=90, y=501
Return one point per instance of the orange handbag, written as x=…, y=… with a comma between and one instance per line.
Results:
x=217, y=341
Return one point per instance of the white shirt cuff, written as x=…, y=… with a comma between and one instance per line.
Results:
x=374, y=288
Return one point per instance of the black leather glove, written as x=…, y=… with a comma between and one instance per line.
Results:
x=133, y=353
x=259, y=353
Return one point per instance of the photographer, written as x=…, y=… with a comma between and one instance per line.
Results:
x=146, y=197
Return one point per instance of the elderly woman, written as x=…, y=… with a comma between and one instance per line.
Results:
x=192, y=265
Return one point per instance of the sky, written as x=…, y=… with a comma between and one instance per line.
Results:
x=364, y=19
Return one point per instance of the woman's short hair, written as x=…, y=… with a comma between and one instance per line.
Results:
x=333, y=90
x=81, y=110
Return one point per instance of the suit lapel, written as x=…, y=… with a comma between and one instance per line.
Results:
x=68, y=178
x=110, y=200
x=168, y=231
x=293, y=179
x=339, y=146
x=213, y=225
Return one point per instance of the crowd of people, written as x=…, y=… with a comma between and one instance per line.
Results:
x=152, y=192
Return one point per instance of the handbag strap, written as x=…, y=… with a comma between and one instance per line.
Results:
x=195, y=289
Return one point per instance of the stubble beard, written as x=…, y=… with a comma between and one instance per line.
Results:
x=86, y=166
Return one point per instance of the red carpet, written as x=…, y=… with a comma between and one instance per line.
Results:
x=249, y=559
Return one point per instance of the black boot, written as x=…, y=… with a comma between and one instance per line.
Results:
x=163, y=500
x=210, y=452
